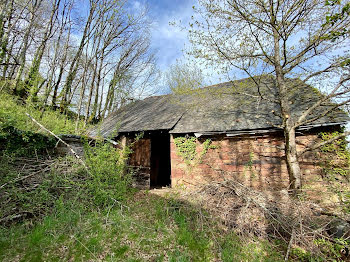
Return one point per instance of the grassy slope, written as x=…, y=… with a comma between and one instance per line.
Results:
x=13, y=114
x=147, y=228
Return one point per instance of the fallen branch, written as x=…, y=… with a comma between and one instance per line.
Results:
x=289, y=245
x=63, y=142
x=22, y=178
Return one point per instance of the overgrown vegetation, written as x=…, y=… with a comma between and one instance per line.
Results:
x=31, y=187
x=12, y=115
x=336, y=168
x=109, y=179
x=145, y=228
x=54, y=209
x=186, y=147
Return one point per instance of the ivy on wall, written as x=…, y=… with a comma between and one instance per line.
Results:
x=339, y=164
x=337, y=167
x=186, y=147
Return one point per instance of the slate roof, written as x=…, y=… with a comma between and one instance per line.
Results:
x=226, y=107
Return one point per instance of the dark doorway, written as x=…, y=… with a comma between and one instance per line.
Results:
x=160, y=160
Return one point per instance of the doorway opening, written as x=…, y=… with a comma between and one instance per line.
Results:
x=160, y=160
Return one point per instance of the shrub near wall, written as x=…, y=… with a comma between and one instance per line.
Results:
x=108, y=179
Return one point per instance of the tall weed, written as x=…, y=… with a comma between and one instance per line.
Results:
x=108, y=180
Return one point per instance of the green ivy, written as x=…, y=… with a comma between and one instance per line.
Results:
x=186, y=148
x=341, y=162
x=337, y=166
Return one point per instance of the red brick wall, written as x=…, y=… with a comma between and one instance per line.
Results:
x=257, y=162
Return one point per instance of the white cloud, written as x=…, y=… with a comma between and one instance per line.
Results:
x=168, y=40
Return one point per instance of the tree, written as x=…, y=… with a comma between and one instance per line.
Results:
x=33, y=8
x=85, y=63
x=183, y=78
x=31, y=82
x=342, y=13
x=75, y=62
x=281, y=38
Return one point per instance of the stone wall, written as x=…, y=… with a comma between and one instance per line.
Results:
x=257, y=162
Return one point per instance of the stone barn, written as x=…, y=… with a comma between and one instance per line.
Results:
x=229, y=130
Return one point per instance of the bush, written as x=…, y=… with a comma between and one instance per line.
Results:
x=24, y=143
x=31, y=186
x=108, y=177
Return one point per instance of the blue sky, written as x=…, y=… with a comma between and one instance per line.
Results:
x=168, y=40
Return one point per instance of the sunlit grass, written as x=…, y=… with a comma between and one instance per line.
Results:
x=12, y=113
x=144, y=228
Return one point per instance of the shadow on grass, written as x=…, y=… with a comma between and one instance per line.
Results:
x=146, y=227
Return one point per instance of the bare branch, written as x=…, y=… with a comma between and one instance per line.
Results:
x=63, y=142
x=318, y=145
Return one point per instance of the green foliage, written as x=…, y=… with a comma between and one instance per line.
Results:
x=143, y=228
x=35, y=194
x=303, y=255
x=183, y=78
x=29, y=198
x=108, y=180
x=340, y=163
x=187, y=149
x=259, y=250
x=337, y=167
x=330, y=249
x=249, y=165
x=33, y=82
x=337, y=17
x=24, y=143
x=206, y=146
x=12, y=114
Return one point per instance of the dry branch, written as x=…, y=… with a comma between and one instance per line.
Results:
x=276, y=216
x=63, y=142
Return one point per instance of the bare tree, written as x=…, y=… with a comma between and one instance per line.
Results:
x=283, y=39
x=31, y=82
x=33, y=8
x=84, y=64
x=57, y=60
x=75, y=62
x=183, y=78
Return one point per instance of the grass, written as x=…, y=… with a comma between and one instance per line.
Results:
x=13, y=114
x=144, y=228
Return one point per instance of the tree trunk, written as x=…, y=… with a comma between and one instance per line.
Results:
x=62, y=65
x=33, y=75
x=22, y=57
x=95, y=106
x=292, y=162
x=74, y=65
x=3, y=42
